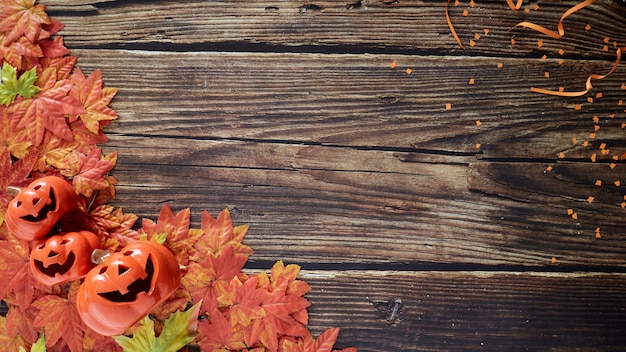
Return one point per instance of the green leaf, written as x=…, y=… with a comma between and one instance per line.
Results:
x=179, y=330
x=11, y=86
x=38, y=346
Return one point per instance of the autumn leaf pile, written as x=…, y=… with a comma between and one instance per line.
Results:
x=52, y=120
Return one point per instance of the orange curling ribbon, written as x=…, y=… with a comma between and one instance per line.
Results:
x=560, y=31
x=588, y=85
x=515, y=6
x=452, y=30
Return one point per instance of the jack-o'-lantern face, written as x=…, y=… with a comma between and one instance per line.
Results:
x=127, y=286
x=37, y=207
x=64, y=257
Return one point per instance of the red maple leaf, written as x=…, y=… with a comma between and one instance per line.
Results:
x=113, y=224
x=94, y=97
x=243, y=300
x=9, y=343
x=88, y=171
x=217, y=334
x=59, y=318
x=47, y=110
x=21, y=323
x=22, y=18
x=20, y=53
x=14, y=272
x=220, y=233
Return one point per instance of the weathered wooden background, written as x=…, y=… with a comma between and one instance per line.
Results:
x=289, y=114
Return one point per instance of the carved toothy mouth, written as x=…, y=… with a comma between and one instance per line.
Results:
x=54, y=269
x=136, y=287
x=43, y=212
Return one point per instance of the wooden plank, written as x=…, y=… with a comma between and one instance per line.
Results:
x=373, y=25
x=323, y=204
x=495, y=311
x=358, y=100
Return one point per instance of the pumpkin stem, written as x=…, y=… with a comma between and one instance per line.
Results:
x=13, y=191
x=98, y=256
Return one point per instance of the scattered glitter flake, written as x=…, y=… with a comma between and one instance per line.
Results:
x=623, y=86
x=561, y=89
x=602, y=146
x=527, y=10
x=456, y=2
x=623, y=124
x=393, y=64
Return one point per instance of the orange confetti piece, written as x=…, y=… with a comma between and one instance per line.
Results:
x=590, y=199
x=623, y=124
x=561, y=89
x=561, y=61
x=476, y=36
x=587, y=27
x=599, y=95
x=593, y=157
x=561, y=51
x=393, y=64
x=546, y=74
x=471, y=81
x=570, y=211
x=578, y=107
x=465, y=12
x=596, y=127
x=575, y=216
x=535, y=7
x=540, y=43
x=500, y=65
x=452, y=30
x=457, y=2
x=544, y=57
x=513, y=41
x=448, y=106
x=612, y=165
x=590, y=100
x=596, y=119
x=472, y=43
x=561, y=155
x=623, y=204
x=553, y=260
x=549, y=168
x=602, y=145
x=585, y=143
x=598, y=182
x=620, y=102
x=408, y=71
x=477, y=145
x=605, y=48
x=612, y=116
x=486, y=31
x=472, y=4
x=574, y=140
x=606, y=39
x=605, y=151
x=527, y=10
x=478, y=123
x=598, y=232
x=623, y=86
x=615, y=157
x=617, y=183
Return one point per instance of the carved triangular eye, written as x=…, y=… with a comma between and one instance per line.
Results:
x=103, y=270
x=52, y=254
x=121, y=269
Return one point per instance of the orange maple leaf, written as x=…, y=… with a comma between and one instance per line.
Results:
x=115, y=225
x=22, y=18
x=88, y=170
x=46, y=111
x=21, y=323
x=14, y=140
x=20, y=53
x=14, y=272
x=324, y=343
x=94, y=97
x=13, y=174
x=9, y=343
x=59, y=318
x=217, y=334
x=219, y=233
x=243, y=299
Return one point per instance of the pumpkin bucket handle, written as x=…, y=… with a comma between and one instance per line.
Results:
x=98, y=256
x=13, y=191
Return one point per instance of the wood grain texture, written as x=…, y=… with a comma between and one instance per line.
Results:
x=470, y=311
x=324, y=25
